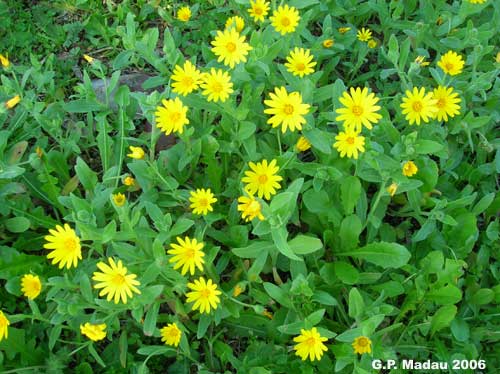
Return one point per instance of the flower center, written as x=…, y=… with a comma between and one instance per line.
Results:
x=187, y=81
x=231, y=47
x=311, y=341
x=263, y=179
x=70, y=244
x=417, y=106
x=288, y=109
x=350, y=140
x=173, y=333
x=363, y=342
x=203, y=201
x=285, y=21
x=448, y=66
x=441, y=103
x=357, y=110
x=205, y=294
x=118, y=279
x=301, y=66
x=190, y=252
x=174, y=117
x=217, y=87
x=257, y=11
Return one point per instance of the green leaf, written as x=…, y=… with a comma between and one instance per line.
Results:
x=424, y=147
x=254, y=250
x=384, y=254
x=82, y=106
x=303, y=245
x=123, y=346
x=483, y=204
x=393, y=53
x=17, y=224
x=279, y=238
x=86, y=176
x=319, y=140
x=350, y=190
x=278, y=294
x=350, y=229
x=449, y=294
x=314, y=318
x=443, y=317
x=356, y=304
x=482, y=297
x=150, y=320
x=203, y=324
x=460, y=329
x=154, y=350
x=347, y=273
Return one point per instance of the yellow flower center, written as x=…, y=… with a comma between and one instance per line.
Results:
x=417, y=106
x=257, y=11
x=357, y=110
x=263, y=179
x=190, y=252
x=285, y=21
x=350, y=140
x=217, y=87
x=300, y=66
x=118, y=279
x=288, y=109
x=70, y=244
x=231, y=47
x=187, y=81
x=173, y=333
x=441, y=103
x=205, y=294
x=448, y=66
x=203, y=201
x=174, y=117
x=363, y=342
x=310, y=342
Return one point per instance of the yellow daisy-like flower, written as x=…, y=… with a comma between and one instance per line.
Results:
x=4, y=60
x=237, y=290
x=286, y=109
x=362, y=345
x=262, y=179
x=230, y=47
x=392, y=189
x=359, y=109
x=115, y=282
x=258, y=10
x=136, y=153
x=172, y=116
x=93, y=331
x=171, y=335
x=204, y=294
x=235, y=22
x=300, y=62
x=129, y=181
x=343, y=30
x=11, y=103
x=364, y=35
x=418, y=105
x=88, y=58
x=409, y=169
x=421, y=61
x=65, y=246
x=184, y=14
x=302, y=144
x=447, y=103
x=250, y=208
x=477, y=1
x=4, y=326
x=285, y=19
x=31, y=286
x=217, y=85
x=349, y=143
x=328, y=43
x=119, y=199
x=188, y=254
x=186, y=78
x=372, y=43
x=451, y=63
x=310, y=344
x=201, y=201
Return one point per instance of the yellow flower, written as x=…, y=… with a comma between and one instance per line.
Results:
x=372, y=43
x=421, y=61
x=201, y=201
x=93, y=332
x=65, y=245
x=88, y=58
x=497, y=58
x=136, y=153
x=392, y=189
x=285, y=19
x=267, y=313
x=115, y=282
x=447, y=103
x=235, y=22
x=186, y=79
x=188, y=254
x=119, y=199
x=362, y=345
x=302, y=144
x=250, y=208
x=328, y=43
x=230, y=47
x=310, y=343
x=451, y=63
x=263, y=179
x=172, y=116
x=4, y=326
x=359, y=109
x=9, y=104
x=477, y=1
x=343, y=30
x=419, y=106
x=39, y=152
x=129, y=181
x=31, y=286
x=205, y=295
x=171, y=334
x=258, y=10
x=300, y=62
x=237, y=290
x=286, y=109
x=4, y=60
x=364, y=34
x=184, y=14
x=409, y=169
x=349, y=143
x=217, y=85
